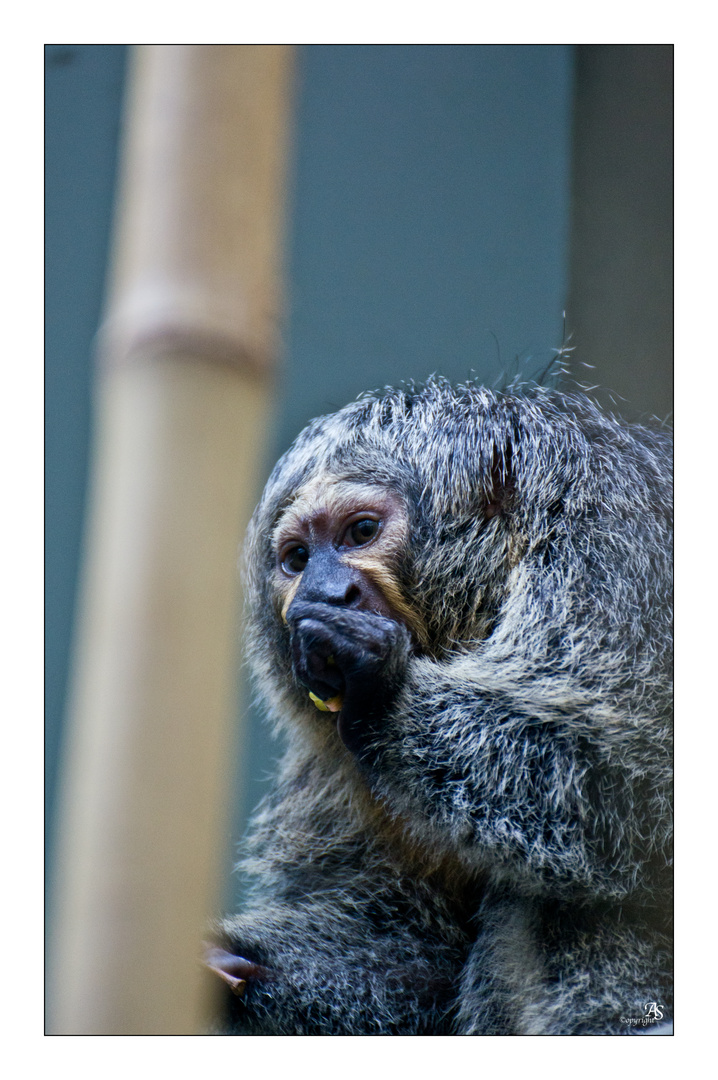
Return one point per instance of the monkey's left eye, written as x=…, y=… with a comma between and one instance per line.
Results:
x=295, y=560
x=361, y=532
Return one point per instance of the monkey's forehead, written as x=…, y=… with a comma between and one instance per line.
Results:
x=335, y=497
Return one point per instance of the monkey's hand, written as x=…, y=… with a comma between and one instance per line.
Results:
x=356, y=654
x=233, y=969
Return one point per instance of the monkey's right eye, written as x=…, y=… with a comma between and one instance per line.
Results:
x=295, y=560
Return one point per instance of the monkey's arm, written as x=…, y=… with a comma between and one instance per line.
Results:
x=524, y=767
x=532, y=778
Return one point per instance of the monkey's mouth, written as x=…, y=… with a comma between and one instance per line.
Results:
x=326, y=688
x=315, y=665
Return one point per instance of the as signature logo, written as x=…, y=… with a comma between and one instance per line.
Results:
x=652, y=1014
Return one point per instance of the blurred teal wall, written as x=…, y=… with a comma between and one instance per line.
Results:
x=430, y=216
x=429, y=205
x=84, y=85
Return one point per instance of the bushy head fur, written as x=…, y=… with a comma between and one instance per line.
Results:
x=538, y=556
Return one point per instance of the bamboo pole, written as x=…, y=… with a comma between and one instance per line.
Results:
x=187, y=352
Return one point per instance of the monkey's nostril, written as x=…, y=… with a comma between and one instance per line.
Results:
x=353, y=596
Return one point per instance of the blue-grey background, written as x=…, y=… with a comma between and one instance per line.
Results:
x=430, y=215
x=84, y=85
x=446, y=202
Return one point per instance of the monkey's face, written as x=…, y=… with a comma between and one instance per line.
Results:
x=336, y=549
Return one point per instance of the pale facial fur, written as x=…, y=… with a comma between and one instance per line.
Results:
x=325, y=507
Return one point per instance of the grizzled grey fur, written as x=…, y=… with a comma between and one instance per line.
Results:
x=499, y=860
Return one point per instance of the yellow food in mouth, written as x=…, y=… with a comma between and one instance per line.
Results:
x=331, y=705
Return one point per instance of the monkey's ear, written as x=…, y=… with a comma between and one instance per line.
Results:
x=502, y=482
